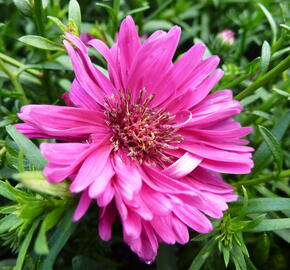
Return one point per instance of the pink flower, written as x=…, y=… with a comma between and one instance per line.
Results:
x=147, y=143
x=86, y=37
x=227, y=36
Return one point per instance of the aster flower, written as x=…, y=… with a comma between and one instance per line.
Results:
x=147, y=143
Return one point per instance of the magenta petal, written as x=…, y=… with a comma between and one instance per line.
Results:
x=128, y=43
x=100, y=184
x=179, y=73
x=107, y=217
x=132, y=225
x=180, y=229
x=80, y=98
x=163, y=227
x=228, y=167
x=127, y=176
x=102, y=82
x=113, y=67
x=106, y=197
x=35, y=132
x=82, y=75
x=82, y=207
x=193, y=218
x=64, y=159
x=91, y=168
x=183, y=166
x=153, y=198
x=182, y=118
x=153, y=59
x=63, y=121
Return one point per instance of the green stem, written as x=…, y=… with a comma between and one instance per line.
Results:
x=14, y=81
x=263, y=179
x=39, y=17
x=235, y=82
x=276, y=71
x=18, y=64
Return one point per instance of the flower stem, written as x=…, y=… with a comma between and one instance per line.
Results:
x=14, y=80
x=263, y=179
x=276, y=71
x=18, y=64
x=39, y=17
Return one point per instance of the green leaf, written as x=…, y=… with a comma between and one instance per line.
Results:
x=271, y=21
x=30, y=150
x=5, y=191
x=58, y=23
x=41, y=246
x=238, y=257
x=25, y=245
x=273, y=145
x=262, y=154
x=110, y=11
x=154, y=25
x=247, y=225
x=226, y=255
x=271, y=225
x=265, y=58
x=7, y=222
x=138, y=10
x=268, y=204
x=59, y=239
x=41, y=43
x=36, y=181
x=203, y=254
x=74, y=13
x=282, y=93
x=24, y=6
x=32, y=210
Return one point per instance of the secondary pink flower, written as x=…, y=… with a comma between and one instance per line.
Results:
x=147, y=143
x=227, y=36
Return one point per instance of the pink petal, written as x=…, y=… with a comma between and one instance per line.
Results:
x=100, y=184
x=180, y=230
x=183, y=166
x=113, y=67
x=64, y=159
x=181, y=71
x=83, y=75
x=91, y=168
x=132, y=225
x=127, y=176
x=128, y=44
x=63, y=121
x=163, y=227
x=152, y=60
x=182, y=118
x=107, y=217
x=194, y=95
x=212, y=153
x=97, y=76
x=80, y=98
x=153, y=198
x=106, y=197
x=82, y=207
x=193, y=218
x=228, y=167
x=161, y=182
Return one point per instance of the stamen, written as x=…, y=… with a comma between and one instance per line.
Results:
x=142, y=131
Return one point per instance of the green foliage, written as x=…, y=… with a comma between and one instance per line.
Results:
x=35, y=216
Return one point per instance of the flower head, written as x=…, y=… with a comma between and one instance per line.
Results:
x=148, y=142
x=227, y=37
